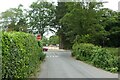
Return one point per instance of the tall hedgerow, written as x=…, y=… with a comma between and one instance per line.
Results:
x=96, y=55
x=20, y=54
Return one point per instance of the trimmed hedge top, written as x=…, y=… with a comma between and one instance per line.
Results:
x=20, y=54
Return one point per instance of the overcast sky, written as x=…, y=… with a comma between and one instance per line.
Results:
x=6, y=4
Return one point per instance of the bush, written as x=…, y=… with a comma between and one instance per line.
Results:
x=82, y=51
x=95, y=55
x=0, y=55
x=42, y=56
x=20, y=54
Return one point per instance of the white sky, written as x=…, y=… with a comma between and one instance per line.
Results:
x=6, y=4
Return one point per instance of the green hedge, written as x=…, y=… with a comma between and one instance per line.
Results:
x=20, y=54
x=96, y=56
x=0, y=55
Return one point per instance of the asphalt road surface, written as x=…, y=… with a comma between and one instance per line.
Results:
x=60, y=64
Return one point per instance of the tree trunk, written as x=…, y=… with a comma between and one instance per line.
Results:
x=61, y=46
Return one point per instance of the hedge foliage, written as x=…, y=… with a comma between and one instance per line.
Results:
x=0, y=55
x=96, y=56
x=20, y=54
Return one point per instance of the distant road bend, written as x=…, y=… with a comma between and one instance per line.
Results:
x=60, y=64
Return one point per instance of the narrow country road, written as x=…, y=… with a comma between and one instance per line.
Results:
x=60, y=64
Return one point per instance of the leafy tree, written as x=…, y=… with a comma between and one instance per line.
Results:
x=54, y=40
x=89, y=21
x=81, y=19
x=44, y=41
x=41, y=17
x=14, y=19
x=113, y=28
x=61, y=10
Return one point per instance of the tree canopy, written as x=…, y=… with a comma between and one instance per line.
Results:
x=89, y=22
x=41, y=16
x=83, y=22
x=14, y=19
